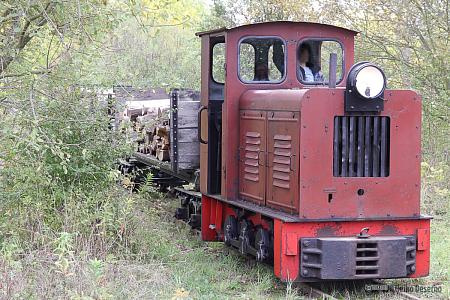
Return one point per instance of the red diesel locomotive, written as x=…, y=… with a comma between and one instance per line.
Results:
x=306, y=160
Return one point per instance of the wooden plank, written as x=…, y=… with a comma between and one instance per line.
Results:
x=187, y=121
x=188, y=135
x=187, y=95
x=189, y=158
x=188, y=105
x=188, y=148
x=188, y=166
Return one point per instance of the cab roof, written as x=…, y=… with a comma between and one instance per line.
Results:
x=225, y=29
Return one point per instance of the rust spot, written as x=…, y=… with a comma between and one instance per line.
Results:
x=389, y=230
x=326, y=231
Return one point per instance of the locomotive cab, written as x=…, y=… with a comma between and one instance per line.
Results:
x=307, y=160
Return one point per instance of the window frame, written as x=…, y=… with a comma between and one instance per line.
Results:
x=241, y=40
x=302, y=40
x=212, y=63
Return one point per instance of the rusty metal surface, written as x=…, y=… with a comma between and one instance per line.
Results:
x=265, y=211
x=394, y=196
x=282, y=164
x=290, y=218
x=348, y=195
x=252, y=153
x=276, y=99
x=388, y=205
x=235, y=91
x=212, y=94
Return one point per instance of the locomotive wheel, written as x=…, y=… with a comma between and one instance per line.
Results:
x=246, y=235
x=262, y=244
x=230, y=230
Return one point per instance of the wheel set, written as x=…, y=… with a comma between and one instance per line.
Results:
x=248, y=239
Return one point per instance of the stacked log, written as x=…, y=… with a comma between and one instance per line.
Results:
x=160, y=145
x=153, y=136
x=154, y=129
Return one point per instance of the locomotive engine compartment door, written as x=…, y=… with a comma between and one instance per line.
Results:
x=282, y=163
x=268, y=158
x=252, y=153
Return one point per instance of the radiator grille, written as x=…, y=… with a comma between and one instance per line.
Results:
x=282, y=154
x=251, y=158
x=361, y=146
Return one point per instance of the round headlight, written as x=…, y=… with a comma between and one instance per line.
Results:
x=367, y=80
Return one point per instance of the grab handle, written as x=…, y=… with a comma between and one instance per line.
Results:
x=199, y=129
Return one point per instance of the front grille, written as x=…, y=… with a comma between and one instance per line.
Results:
x=361, y=146
x=366, y=258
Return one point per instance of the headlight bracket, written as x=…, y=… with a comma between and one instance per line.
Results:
x=354, y=101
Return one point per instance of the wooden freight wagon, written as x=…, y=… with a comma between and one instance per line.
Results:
x=170, y=142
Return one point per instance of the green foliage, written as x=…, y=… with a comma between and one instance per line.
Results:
x=63, y=248
x=163, y=57
x=149, y=51
x=57, y=152
x=58, y=155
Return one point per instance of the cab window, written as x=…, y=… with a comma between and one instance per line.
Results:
x=218, y=63
x=313, y=61
x=262, y=60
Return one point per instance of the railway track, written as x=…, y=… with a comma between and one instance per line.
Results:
x=313, y=291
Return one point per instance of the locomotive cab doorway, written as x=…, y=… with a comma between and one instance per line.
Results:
x=210, y=114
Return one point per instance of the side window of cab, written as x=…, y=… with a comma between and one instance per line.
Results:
x=262, y=60
x=313, y=61
x=218, y=63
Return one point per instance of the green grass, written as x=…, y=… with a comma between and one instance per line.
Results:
x=164, y=260
x=203, y=270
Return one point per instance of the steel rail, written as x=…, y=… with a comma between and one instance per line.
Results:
x=313, y=292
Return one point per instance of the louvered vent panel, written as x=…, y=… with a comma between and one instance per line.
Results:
x=251, y=156
x=282, y=152
x=361, y=146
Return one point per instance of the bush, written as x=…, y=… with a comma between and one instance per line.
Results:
x=59, y=169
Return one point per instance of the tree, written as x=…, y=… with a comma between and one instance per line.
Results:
x=408, y=39
x=151, y=51
x=19, y=24
x=58, y=157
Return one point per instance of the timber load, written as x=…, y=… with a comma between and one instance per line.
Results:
x=169, y=134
